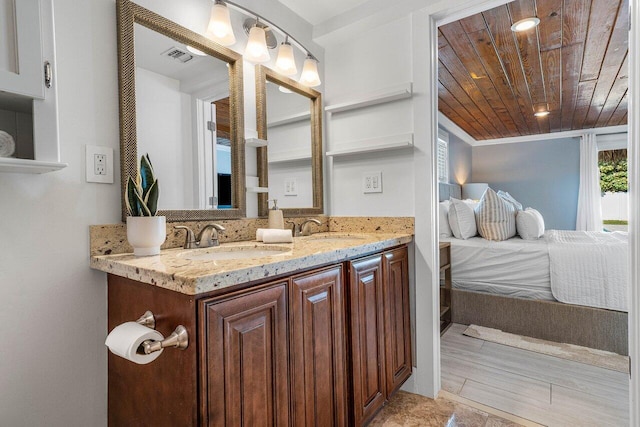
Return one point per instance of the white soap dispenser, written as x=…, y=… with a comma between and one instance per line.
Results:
x=276, y=220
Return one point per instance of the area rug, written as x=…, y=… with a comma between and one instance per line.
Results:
x=576, y=353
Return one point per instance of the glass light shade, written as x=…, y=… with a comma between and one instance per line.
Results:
x=310, y=76
x=286, y=63
x=219, y=28
x=196, y=51
x=284, y=89
x=256, y=50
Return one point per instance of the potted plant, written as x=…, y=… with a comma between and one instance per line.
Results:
x=145, y=231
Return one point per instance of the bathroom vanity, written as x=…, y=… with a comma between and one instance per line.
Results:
x=316, y=334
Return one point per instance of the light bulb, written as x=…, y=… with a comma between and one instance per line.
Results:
x=219, y=28
x=525, y=24
x=286, y=63
x=256, y=50
x=310, y=75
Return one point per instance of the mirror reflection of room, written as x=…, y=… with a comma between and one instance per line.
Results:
x=183, y=122
x=289, y=149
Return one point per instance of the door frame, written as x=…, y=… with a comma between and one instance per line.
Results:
x=425, y=29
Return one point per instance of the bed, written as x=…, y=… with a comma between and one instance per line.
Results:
x=566, y=287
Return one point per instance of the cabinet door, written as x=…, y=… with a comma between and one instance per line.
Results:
x=21, y=63
x=245, y=359
x=397, y=318
x=367, y=337
x=318, y=349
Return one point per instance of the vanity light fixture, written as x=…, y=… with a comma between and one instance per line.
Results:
x=257, y=50
x=219, y=28
x=541, y=113
x=525, y=24
x=195, y=51
x=286, y=63
x=284, y=89
x=310, y=76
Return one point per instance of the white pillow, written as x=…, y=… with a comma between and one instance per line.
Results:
x=462, y=220
x=509, y=198
x=445, y=229
x=530, y=224
x=496, y=217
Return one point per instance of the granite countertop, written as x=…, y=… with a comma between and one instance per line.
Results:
x=180, y=270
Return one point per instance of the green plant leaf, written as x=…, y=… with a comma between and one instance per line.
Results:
x=130, y=198
x=151, y=199
x=146, y=174
x=144, y=211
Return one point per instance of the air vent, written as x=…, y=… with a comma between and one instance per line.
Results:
x=178, y=54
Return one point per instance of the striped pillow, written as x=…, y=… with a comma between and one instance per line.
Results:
x=495, y=217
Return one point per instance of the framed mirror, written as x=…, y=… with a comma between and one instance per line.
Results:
x=181, y=101
x=289, y=117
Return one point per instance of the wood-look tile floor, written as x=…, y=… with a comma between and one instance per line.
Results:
x=412, y=410
x=544, y=389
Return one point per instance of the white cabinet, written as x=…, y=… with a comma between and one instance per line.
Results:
x=28, y=104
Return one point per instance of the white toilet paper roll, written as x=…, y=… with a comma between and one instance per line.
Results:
x=125, y=339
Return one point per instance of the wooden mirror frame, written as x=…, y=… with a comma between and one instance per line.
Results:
x=128, y=14
x=264, y=74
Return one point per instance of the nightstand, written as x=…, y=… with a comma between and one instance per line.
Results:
x=445, y=286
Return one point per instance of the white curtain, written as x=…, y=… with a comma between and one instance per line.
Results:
x=589, y=211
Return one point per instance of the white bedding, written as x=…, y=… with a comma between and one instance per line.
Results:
x=589, y=268
x=568, y=266
x=514, y=267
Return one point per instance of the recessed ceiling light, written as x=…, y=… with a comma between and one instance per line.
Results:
x=525, y=24
x=541, y=113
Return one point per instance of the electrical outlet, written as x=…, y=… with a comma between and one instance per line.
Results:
x=99, y=164
x=372, y=182
x=291, y=187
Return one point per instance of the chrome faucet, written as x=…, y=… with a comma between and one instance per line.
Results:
x=304, y=229
x=208, y=236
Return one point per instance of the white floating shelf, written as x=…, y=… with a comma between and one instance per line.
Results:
x=290, y=158
x=395, y=93
x=388, y=143
x=255, y=142
x=257, y=189
x=9, y=164
x=298, y=117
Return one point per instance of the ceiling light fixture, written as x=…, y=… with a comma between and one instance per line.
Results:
x=541, y=113
x=310, y=76
x=286, y=63
x=525, y=24
x=219, y=28
x=257, y=50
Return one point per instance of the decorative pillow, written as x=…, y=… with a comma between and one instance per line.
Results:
x=462, y=220
x=509, y=198
x=445, y=229
x=496, y=218
x=530, y=224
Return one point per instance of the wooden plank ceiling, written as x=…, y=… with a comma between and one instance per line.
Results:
x=574, y=65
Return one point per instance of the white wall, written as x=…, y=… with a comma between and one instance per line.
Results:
x=355, y=68
x=53, y=319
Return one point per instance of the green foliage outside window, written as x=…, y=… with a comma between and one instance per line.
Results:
x=613, y=176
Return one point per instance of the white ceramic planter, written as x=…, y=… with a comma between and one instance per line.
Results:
x=146, y=233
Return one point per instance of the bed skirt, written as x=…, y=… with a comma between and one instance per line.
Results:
x=549, y=320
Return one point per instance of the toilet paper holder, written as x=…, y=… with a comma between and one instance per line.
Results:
x=179, y=338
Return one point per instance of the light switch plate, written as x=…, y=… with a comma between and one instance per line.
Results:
x=372, y=182
x=99, y=164
x=291, y=187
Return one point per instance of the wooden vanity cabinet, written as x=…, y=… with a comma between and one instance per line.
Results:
x=320, y=348
x=244, y=359
x=380, y=330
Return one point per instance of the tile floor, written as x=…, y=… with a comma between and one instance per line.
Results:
x=536, y=387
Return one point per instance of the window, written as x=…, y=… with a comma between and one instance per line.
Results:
x=443, y=156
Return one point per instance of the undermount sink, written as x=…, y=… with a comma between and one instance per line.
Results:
x=233, y=252
x=334, y=237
